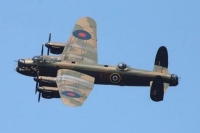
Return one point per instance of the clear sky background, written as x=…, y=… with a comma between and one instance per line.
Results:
x=129, y=31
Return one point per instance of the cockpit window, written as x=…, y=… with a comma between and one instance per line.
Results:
x=45, y=59
x=36, y=57
x=122, y=66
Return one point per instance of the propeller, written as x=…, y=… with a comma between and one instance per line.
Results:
x=49, y=37
x=37, y=82
x=48, y=43
x=42, y=50
x=48, y=51
x=39, y=97
x=37, y=85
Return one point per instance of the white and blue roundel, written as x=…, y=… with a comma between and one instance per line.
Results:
x=115, y=78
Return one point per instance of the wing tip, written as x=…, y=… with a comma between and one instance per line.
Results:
x=90, y=20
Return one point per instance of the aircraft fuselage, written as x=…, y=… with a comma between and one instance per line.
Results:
x=104, y=74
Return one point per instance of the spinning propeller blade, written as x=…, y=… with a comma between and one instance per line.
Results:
x=37, y=82
x=37, y=85
x=48, y=43
x=49, y=37
x=39, y=97
x=42, y=50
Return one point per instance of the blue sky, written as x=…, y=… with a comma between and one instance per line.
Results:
x=129, y=31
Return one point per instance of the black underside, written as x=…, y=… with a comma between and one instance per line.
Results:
x=104, y=78
x=49, y=95
x=57, y=50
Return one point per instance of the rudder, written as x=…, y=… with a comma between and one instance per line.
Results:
x=161, y=60
x=157, y=89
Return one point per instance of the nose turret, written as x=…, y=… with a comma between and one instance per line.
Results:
x=26, y=67
x=21, y=62
x=20, y=65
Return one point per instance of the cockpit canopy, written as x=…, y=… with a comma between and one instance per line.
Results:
x=122, y=66
x=45, y=59
x=36, y=58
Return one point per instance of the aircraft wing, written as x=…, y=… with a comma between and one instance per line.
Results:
x=82, y=44
x=74, y=87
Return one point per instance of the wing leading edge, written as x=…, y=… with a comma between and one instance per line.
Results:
x=82, y=44
x=74, y=87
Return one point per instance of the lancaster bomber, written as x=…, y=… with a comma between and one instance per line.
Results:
x=72, y=73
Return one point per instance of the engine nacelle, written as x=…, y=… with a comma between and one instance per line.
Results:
x=157, y=89
x=49, y=92
x=55, y=47
x=46, y=81
x=56, y=50
x=47, y=95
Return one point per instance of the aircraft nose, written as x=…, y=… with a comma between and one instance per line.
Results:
x=21, y=61
x=17, y=68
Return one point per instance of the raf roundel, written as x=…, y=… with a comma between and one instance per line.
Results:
x=115, y=78
x=71, y=94
x=82, y=34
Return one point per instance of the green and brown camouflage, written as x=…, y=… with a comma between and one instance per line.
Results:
x=71, y=76
x=69, y=81
x=84, y=48
x=102, y=73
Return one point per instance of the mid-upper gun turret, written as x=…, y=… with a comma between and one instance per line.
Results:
x=122, y=66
